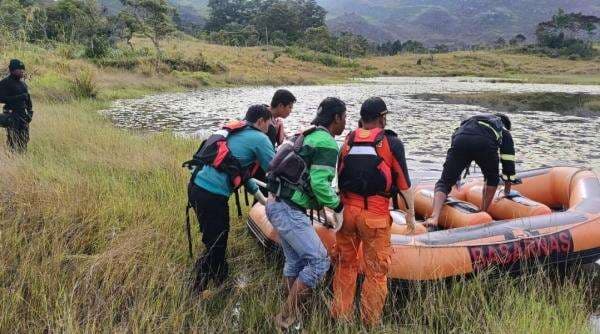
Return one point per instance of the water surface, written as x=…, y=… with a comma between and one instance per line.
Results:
x=542, y=138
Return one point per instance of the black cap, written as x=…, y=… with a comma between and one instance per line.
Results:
x=328, y=108
x=373, y=108
x=16, y=64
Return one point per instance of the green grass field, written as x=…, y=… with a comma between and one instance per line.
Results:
x=92, y=239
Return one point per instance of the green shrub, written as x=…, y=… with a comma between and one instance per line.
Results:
x=322, y=58
x=99, y=47
x=70, y=51
x=83, y=85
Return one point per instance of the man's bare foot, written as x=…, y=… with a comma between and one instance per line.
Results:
x=283, y=323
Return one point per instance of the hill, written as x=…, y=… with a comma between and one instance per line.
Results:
x=432, y=21
x=451, y=22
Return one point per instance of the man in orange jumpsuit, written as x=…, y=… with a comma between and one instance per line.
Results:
x=372, y=169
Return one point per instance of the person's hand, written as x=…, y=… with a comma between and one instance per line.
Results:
x=431, y=222
x=507, y=188
x=410, y=223
x=336, y=221
x=260, y=197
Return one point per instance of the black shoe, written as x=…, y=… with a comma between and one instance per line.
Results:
x=200, y=283
x=200, y=276
x=221, y=275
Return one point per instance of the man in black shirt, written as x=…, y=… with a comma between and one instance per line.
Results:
x=480, y=139
x=18, y=110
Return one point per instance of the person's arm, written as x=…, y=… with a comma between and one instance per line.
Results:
x=28, y=103
x=280, y=131
x=402, y=178
x=5, y=93
x=322, y=172
x=507, y=158
x=264, y=152
x=10, y=99
x=343, y=152
x=399, y=166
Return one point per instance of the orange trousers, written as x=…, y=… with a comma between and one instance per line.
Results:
x=374, y=231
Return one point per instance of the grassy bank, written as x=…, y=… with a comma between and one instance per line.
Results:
x=273, y=65
x=92, y=240
x=518, y=68
x=565, y=103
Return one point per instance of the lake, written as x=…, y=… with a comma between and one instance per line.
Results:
x=542, y=138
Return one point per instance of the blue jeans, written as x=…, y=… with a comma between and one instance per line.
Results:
x=305, y=256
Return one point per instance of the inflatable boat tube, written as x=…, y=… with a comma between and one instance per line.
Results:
x=554, y=220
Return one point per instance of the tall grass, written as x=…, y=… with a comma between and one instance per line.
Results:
x=92, y=240
x=83, y=85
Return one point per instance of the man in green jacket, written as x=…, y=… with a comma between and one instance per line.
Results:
x=306, y=259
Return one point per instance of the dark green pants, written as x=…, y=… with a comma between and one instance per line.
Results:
x=17, y=132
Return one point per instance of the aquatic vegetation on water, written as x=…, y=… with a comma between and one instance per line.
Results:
x=564, y=103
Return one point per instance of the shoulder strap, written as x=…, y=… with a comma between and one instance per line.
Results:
x=375, y=136
x=299, y=140
x=237, y=126
x=309, y=131
x=351, y=136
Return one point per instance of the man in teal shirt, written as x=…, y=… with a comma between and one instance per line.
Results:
x=210, y=189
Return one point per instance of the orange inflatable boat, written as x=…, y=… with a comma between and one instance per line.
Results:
x=553, y=217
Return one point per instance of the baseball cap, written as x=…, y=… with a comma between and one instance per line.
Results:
x=372, y=108
x=16, y=64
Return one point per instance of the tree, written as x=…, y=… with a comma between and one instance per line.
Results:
x=565, y=29
x=317, y=39
x=499, y=43
x=310, y=14
x=413, y=47
x=12, y=19
x=79, y=22
x=589, y=25
x=153, y=19
x=224, y=12
x=126, y=25
x=350, y=45
x=441, y=48
x=36, y=23
x=278, y=15
x=396, y=47
x=290, y=17
x=518, y=40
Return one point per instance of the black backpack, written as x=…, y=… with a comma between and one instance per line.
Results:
x=288, y=168
x=214, y=152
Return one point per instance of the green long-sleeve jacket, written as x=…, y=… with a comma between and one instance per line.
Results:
x=320, y=151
